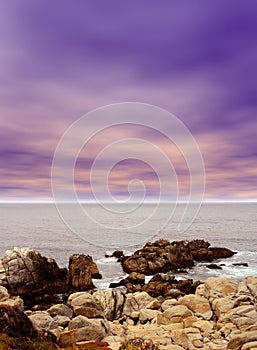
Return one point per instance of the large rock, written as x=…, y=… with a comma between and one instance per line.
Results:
x=60, y=310
x=82, y=328
x=163, y=256
x=112, y=302
x=136, y=302
x=26, y=271
x=218, y=287
x=237, y=341
x=85, y=304
x=200, y=306
x=82, y=269
x=15, y=323
x=42, y=321
x=174, y=314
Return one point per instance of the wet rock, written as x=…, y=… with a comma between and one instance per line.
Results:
x=214, y=267
x=118, y=254
x=163, y=256
x=240, y=264
x=82, y=269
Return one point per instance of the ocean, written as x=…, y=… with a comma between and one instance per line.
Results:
x=39, y=226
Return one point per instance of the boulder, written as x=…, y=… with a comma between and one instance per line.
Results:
x=16, y=323
x=146, y=315
x=136, y=302
x=60, y=310
x=217, y=287
x=26, y=271
x=88, y=329
x=174, y=314
x=200, y=306
x=82, y=269
x=61, y=320
x=237, y=341
x=42, y=321
x=112, y=302
x=85, y=304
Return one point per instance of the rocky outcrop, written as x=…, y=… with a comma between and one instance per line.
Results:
x=26, y=271
x=160, y=284
x=82, y=269
x=163, y=256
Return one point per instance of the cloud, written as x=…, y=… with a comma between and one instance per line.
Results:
x=195, y=60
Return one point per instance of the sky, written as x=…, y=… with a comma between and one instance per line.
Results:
x=196, y=59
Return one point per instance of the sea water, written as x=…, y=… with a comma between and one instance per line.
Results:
x=39, y=226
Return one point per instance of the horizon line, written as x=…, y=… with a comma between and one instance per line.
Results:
x=31, y=201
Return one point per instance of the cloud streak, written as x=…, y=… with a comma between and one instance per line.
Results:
x=197, y=61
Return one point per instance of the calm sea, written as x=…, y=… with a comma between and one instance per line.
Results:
x=39, y=226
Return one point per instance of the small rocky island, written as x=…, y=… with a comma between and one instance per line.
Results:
x=39, y=298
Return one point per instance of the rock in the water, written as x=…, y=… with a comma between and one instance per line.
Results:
x=82, y=269
x=85, y=304
x=163, y=256
x=26, y=271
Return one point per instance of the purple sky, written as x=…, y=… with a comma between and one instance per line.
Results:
x=59, y=60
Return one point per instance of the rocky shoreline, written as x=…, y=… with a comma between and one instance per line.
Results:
x=217, y=314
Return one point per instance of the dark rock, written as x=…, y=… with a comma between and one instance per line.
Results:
x=240, y=264
x=16, y=323
x=214, y=267
x=221, y=253
x=82, y=269
x=163, y=256
x=117, y=254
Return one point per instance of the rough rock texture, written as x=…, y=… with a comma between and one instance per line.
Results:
x=85, y=304
x=220, y=315
x=60, y=310
x=82, y=328
x=82, y=269
x=112, y=302
x=163, y=256
x=162, y=284
x=15, y=323
x=26, y=271
x=42, y=321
